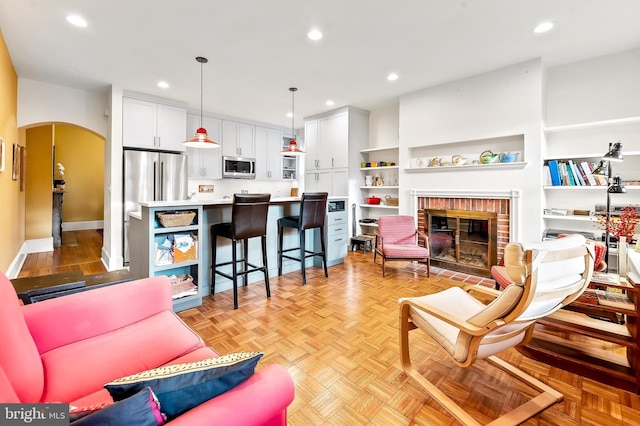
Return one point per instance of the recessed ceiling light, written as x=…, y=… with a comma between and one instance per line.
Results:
x=289, y=114
x=330, y=103
x=163, y=85
x=543, y=27
x=76, y=20
x=314, y=34
x=393, y=77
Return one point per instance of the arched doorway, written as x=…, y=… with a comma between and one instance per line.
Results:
x=81, y=152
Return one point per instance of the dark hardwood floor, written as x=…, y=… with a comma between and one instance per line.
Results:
x=80, y=251
x=338, y=338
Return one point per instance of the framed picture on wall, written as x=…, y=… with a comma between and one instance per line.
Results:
x=23, y=168
x=2, y=155
x=15, y=173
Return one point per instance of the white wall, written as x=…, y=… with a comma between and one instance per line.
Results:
x=597, y=89
x=384, y=124
x=504, y=102
x=40, y=102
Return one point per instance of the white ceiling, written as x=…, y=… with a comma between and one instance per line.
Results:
x=257, y=49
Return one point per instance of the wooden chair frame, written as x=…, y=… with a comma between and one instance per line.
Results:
x=549, y=396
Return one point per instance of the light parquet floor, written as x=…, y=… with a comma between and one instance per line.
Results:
x=338, y=338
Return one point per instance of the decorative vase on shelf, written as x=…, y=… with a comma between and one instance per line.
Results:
x=623, y=260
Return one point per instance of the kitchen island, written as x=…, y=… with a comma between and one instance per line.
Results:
x=147, y=237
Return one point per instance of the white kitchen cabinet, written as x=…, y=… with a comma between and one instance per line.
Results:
x=332, y=181
x=151, y=125
x=327, y=142
x=205, y=163
x=311, y=145
x=238, y=139
x=268, y=158
x=333, y=134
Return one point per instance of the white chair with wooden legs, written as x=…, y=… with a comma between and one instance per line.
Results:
x=546, y=276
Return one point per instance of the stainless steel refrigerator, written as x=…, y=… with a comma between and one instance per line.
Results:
x=151, y=176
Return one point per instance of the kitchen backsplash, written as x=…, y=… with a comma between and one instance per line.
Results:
x=228, y=187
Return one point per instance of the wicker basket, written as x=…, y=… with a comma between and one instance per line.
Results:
x=173, y=219
x=390, y=201
x=182, y=285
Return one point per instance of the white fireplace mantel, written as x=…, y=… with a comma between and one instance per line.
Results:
x=511, y=194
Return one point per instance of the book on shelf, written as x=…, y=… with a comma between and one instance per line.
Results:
x=566, y=174
x=546, y=176
x=605, y=278
x=584, y=179
x=615, y=300
x=556, y=212
x=587, y=171
x=577, y=177
x=555, y=172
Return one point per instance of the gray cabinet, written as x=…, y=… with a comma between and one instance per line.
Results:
x=151, y=125
x=336, y=234
x=147, y=235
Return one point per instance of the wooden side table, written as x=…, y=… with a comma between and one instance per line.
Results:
x=29, y=288
x=552, y=343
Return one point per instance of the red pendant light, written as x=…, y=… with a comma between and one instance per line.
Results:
x=201, y=138
x=292, y=149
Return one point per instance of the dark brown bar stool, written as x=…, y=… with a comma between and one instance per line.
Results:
x=313, y=210
x=248, y=219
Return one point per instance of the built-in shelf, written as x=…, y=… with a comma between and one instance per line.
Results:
x=379, y=187
x=570, y=217
x=384, y=148
x=588, y=155
x=378, y=168
x=587, y=187
x=592, y=124
x=378, y=206
x=494, y=166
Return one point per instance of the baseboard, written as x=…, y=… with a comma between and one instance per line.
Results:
x=18, y=261
x=80, y=226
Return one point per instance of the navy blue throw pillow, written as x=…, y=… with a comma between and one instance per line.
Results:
x=140, y=409
x=181, y=387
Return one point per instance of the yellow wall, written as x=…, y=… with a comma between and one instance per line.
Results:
x=38, y=196
x=12, y=210
x=82, y=155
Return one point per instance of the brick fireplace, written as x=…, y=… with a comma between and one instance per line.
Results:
x=505, y=204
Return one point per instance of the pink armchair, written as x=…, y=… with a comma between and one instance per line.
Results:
x=66, y=349
x=397, y=239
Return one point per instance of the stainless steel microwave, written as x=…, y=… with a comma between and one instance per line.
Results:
x=238, y=168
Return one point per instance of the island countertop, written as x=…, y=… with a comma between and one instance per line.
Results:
x=217, y=202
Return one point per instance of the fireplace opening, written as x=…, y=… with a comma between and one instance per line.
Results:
x=462, y=240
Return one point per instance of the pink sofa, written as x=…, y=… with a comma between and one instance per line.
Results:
x=66, y=349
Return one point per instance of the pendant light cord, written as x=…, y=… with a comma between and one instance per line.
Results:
x=201, y=91
x=293, y=108
x=202, y=60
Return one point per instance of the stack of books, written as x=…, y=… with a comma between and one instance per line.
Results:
x=573, y=173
